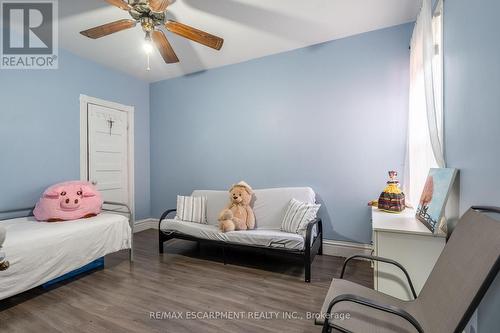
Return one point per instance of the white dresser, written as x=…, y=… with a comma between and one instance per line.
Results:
x=403, y=238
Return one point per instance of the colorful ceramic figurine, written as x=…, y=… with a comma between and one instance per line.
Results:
x=392, y=199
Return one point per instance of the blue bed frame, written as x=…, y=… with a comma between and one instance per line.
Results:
x=94, y=265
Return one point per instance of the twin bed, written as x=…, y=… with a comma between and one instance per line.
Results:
x=40, y=252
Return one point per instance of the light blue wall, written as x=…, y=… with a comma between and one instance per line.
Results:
x=328, y=116
x=472, y=114
x=40, y=127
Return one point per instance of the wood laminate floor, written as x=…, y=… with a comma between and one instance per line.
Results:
x=181, y=283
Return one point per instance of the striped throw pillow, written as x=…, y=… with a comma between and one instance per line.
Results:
x=298, y=215
x=192, y=209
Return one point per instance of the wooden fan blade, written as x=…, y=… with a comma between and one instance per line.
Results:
x=195, y=34
x=120, y=4
x=162, y=44
x=108, y=29
x=158, y=6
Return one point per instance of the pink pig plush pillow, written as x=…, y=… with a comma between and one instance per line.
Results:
x=68, y=201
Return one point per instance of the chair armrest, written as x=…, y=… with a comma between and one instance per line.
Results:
x=490, y=209
x=388, y=261
x=164, y=216
x=309, y=229
x=371, y=304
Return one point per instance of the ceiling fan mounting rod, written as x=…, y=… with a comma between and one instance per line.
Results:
x=141, y=12
x=137, y=2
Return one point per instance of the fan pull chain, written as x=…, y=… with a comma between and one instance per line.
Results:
x=149, y=63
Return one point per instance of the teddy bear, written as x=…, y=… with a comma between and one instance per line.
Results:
x=238, y=215
x=4, y=264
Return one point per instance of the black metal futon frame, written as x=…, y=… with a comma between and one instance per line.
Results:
x=313, y=244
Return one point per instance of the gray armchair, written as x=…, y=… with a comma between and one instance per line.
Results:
x=463, y=273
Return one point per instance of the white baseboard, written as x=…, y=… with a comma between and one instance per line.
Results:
x=145, y=224
x=330, y=247
x=344, y=249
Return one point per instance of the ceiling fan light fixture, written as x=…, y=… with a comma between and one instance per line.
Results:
x=148, y=44
x=151, y=15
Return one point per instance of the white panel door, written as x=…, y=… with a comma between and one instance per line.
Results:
x=108, y=152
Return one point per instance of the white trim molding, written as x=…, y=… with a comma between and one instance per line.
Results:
x=84, y=102
x=145, y=224
x=345, y=249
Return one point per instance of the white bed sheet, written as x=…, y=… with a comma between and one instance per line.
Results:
x=39, y=252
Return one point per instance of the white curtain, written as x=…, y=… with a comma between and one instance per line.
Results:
x=425, y=118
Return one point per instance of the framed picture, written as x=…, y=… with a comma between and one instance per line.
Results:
x=435, y=194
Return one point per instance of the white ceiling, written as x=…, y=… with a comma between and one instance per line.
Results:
x=251, y=29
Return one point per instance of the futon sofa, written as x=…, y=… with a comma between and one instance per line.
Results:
x=269, y=207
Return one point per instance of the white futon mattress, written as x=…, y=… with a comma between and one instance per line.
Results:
x=257, y=237
x=39, y=252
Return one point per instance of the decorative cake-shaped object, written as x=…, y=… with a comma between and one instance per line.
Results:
x=392, y=199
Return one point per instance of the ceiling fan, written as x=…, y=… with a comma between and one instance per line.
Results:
x=151, y=15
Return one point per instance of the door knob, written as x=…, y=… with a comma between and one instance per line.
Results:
x=94, y=182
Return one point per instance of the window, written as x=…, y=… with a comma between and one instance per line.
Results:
x=425, y=117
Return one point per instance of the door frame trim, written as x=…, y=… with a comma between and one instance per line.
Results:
x=84, y=102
